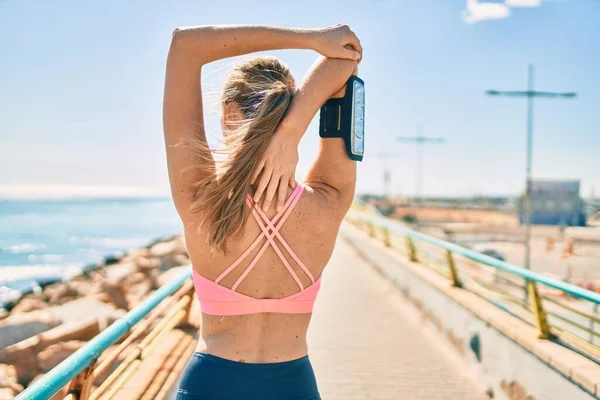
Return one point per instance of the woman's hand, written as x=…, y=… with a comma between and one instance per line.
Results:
x=338, y=42
x=277, y=169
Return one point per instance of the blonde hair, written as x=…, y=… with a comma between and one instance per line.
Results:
x=261, y=89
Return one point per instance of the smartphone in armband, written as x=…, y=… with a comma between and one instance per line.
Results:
x=344, y=118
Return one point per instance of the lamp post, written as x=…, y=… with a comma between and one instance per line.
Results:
x=420, y=141
x=387, y=172
x=530, y=94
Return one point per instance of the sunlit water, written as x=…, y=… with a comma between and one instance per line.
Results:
x=46, y=239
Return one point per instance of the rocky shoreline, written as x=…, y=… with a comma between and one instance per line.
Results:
x=47, y=326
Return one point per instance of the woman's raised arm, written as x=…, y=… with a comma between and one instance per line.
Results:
x=332, y=170
x=191, y=48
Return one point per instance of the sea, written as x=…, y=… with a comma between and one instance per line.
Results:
x=43, y=241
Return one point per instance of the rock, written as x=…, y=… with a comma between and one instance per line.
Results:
x=84, y=329
x=103, y=297
x=139, y=290
x=143, y=252
x=134, y=255
x=56, y=353
x=173, y=260
x=119, y=272
x=153, y=276
x=147, y=263
x=7, y=394
x=149, y=266
x=136, y=278
x=182, y=259
x=84, y=308
x=169, y=253
x=8, y=378
x=20, y=326
x=98, y=276
x=170, y=274
x=86, y=287
x=23, y=357
x=163, y=248
x=29, y=304
x=136, y=293
x=61, y=293
x=181, y=246
x=116, y=293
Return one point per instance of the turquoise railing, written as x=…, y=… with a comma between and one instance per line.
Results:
x=393, y=226
x=364, y=217
x=70, y=368
x=361, y=214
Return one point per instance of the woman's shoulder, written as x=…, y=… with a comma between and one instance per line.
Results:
x=325, y=201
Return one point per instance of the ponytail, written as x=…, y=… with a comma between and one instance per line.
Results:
x=263, y=103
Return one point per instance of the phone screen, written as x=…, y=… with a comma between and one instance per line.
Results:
x=358, y=118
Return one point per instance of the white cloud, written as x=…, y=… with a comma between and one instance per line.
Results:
x=523, y=3
x=477, y=11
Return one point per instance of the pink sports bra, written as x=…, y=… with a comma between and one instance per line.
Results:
x=216, y=299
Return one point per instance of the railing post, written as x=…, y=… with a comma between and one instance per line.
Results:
x=593, y=323
x=412, y=250
x=80, y=387
x=541, y=319
x=386, y=237
x=363, y=225
x=454, y=280
x=371, y=229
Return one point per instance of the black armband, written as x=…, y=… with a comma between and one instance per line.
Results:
x=344, y=118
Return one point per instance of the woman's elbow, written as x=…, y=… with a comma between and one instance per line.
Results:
x=178, y=37
x=348, y=66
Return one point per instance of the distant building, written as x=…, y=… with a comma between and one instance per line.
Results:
x=555, y=203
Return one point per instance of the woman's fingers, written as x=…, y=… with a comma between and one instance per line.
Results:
x=257, y=171
x=281, y=192
x=355, y=42
x=352, y=55
x=262, y=185
x=271, y=190
x=293, y=182
x=353, y=52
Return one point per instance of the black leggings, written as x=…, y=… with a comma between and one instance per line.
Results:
x=208, y=377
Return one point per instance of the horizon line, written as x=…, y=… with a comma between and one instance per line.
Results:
x=47, y=191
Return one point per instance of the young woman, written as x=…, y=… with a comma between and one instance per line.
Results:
x=256, y=266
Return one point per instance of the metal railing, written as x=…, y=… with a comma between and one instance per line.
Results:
x=144, y=326
x=141, y=329
x=561, y=314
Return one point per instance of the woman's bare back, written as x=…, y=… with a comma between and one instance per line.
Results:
x=310, y=230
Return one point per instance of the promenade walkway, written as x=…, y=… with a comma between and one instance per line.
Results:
x=364, y=347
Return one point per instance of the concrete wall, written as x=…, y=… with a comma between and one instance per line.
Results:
x=500, y=351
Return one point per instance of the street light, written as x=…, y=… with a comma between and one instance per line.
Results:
x=530, y=93
x=387, y=172
x=420, y=141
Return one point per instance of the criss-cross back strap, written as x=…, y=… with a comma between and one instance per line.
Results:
x=275, y=231
x=255, y=243
x=273, y=225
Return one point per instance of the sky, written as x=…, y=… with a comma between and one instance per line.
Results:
x=81, y=89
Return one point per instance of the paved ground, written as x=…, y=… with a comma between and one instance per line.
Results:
x=362, y=347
